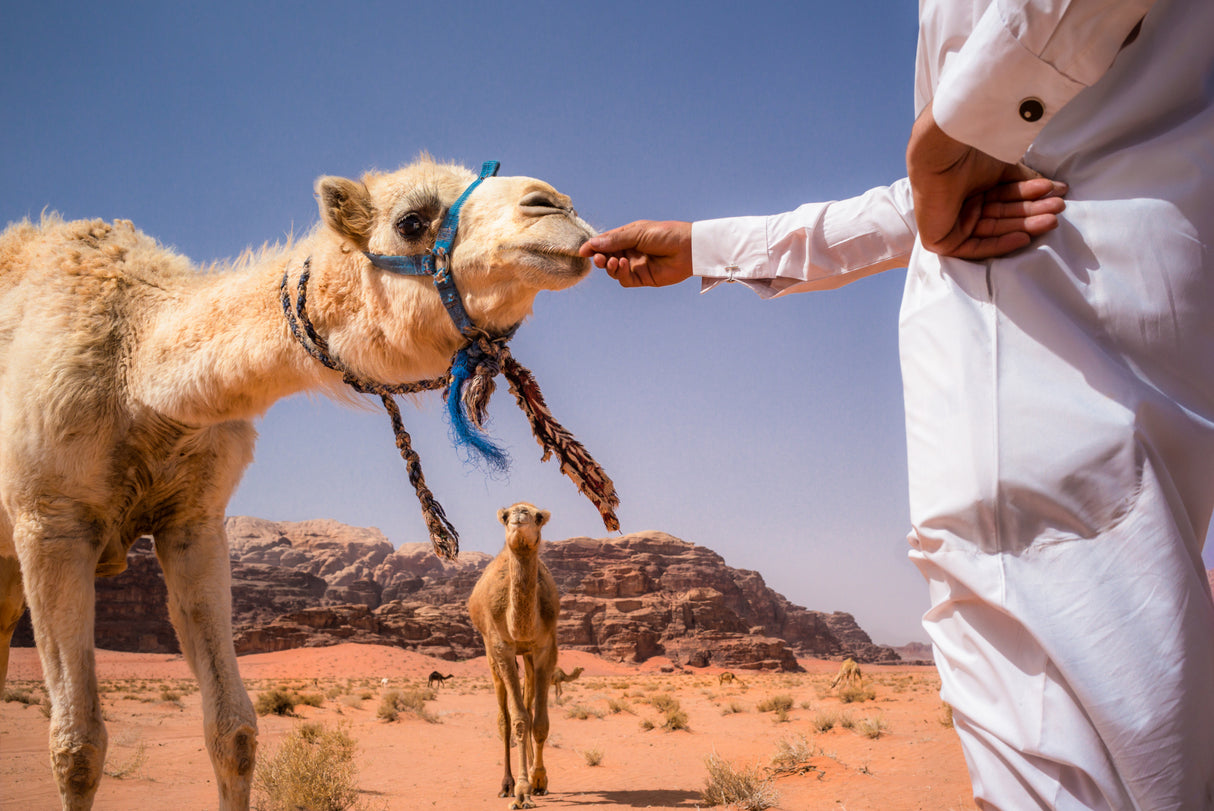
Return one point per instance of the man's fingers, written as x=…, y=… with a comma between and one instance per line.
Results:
x=1033, y=189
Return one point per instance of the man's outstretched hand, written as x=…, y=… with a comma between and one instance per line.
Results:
x=643, y=253
x=971, y=205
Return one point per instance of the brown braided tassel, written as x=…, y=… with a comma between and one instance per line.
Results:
x=576, y=461
x=443, y=536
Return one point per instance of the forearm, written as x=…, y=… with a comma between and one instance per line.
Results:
x=819, y=246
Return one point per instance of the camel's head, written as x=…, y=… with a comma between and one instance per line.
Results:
x=523, y=522
x=516, y=236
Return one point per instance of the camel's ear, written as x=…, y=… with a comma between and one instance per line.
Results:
x=542, y=517
x=345, y=206
x=502, y=515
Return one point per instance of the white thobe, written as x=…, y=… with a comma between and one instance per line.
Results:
x=1059, y=401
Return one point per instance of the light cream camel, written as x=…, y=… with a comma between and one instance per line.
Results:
x=849, y=675
x=515, y=606
x=560, y=677
x=128, y=385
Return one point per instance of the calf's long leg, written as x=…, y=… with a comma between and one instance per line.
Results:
x=198, y=576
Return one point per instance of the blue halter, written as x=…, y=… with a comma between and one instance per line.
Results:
x=436, y=262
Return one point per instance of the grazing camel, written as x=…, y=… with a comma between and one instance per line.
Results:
x=129, y=382
x=436, y=679
x=729, y=678
x=559, y=677
x=515, y=606
x=849, y=675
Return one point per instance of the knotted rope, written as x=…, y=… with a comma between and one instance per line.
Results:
x=471, y=379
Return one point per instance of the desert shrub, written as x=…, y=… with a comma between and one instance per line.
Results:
x=663, y=702
x=618, y=705
x=313, y=768
x=646, y=724
x=775, y=704
x=871, y=727
x=411, y=702
x=275, y=702
x=792, y=752
x=946, y=715
x=825, y=720
x=747, y=789
x=849, y=695
x=169, y=695
x=846, y=721
x=353, y=702
x=22, y=697
x=733, y=707
x=676, y=718
x=581, y=712
x=309, y=699
x=593, y=756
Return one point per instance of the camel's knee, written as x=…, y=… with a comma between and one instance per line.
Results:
x=77, y=770
x=234, y=753
x=233, y=757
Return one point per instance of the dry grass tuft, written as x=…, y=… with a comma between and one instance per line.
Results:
x=747, y=789
x=313, y=768
x=411, y=702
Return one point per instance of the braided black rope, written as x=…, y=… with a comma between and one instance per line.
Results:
x=475, y=365
x=443, y=535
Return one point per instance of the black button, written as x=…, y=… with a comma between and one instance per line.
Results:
x=1031, y=110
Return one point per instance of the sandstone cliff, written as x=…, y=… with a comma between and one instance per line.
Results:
x=629, y=598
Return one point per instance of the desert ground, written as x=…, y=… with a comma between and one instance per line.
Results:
x=623, y=736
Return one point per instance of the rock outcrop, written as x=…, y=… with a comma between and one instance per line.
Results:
x=315, y=583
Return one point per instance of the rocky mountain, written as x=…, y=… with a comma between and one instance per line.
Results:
x=629, y=598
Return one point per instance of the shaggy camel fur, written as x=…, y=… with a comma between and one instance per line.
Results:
x=515, y=606
x=128, y=385
x=849, y=675
x=559, y=677
x=436, y=679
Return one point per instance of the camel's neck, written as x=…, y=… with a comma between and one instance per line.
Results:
x=522, y=617
x=223, y=350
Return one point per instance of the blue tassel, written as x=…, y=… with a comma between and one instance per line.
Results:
x=463, y=432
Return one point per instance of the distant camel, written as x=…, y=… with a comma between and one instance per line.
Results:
x=437, y=679
x=727, y=677
x=559, y=677
x=849, y=674
x=515, y=605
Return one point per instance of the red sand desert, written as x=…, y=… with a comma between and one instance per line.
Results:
x=152, y=709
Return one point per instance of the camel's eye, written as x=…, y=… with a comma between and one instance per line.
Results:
x=411, y=226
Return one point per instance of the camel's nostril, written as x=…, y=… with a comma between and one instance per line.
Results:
x=540, y=204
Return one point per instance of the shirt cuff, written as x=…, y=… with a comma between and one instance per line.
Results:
x=996, y=95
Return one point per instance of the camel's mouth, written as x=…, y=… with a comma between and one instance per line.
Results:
x=562, y=261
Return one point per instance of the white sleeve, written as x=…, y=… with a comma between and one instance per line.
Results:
x=819, y=246
x=1023, y=62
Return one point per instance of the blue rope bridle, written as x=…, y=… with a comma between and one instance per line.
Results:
x=467, y=385
x=436, y=262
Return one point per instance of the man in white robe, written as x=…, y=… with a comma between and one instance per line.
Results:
x=1058, y=370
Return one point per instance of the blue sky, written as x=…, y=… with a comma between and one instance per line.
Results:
x=770, y=432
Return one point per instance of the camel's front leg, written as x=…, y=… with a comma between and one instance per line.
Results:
x=519, y=719
x=198, y=576
x=58, y=574
x=503, y=728
x=538, y=678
